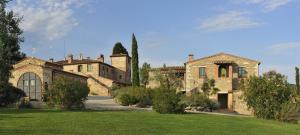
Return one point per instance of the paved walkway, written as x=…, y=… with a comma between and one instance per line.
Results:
x=108, y=103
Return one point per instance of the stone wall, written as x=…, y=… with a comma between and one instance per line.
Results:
x=193, y=81
x=122, y=62
x=239, y=105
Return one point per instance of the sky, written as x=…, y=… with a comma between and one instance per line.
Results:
x=167, y=30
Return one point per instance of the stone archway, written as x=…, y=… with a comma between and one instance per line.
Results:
x=31, y=84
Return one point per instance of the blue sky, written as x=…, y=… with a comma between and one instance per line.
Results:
x=167, y=31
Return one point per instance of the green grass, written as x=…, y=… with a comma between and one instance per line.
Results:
x=139, y=123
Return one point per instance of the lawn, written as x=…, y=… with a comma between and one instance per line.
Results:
x=138, y=122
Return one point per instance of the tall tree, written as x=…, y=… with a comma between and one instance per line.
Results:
x=119, y=49
x=297, y=80
x=144, y=74
x=135, y=62
x=10, y=39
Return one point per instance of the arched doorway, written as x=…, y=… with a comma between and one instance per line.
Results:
x=31, y=84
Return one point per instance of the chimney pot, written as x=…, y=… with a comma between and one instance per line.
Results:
x=191, y=57
x=101, y=58
x=70, y=58
x=51, y=60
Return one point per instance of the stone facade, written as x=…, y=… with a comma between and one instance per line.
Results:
x=38, y=73
x=227, y=70
x=101, y=76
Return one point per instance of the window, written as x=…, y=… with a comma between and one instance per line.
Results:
x=79, y=68
x=120, y=77
x=242, y=72
x=89, y=67
x=202, y=72
x=32, y=82
x=26, y=82
x=223, y=71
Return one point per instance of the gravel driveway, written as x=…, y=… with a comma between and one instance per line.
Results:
x=107, y=103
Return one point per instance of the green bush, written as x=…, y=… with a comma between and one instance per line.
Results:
x=10, y=94
x=167, y=101
x=289, y=112
x=127, y=99
x=66, y=93
x=270, y=96
x=200, y=100
x=140, y=96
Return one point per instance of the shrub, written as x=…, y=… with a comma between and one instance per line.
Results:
x=10, y=94
x=167, y=101
x=289, y=112
x=127, y=99
x=66, y=93
x=134, y=95
x=200, y=100
x=270, y=96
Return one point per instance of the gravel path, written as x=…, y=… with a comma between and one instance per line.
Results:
x=108, y=103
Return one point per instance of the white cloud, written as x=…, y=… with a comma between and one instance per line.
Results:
x=47, y=20
x=268, y=5
x=228, y=21
x=285, y=47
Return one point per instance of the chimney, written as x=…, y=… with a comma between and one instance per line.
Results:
x=191, y=57
x=101, y=58
x=70, y=58
x=51, y=60
x=80, y=56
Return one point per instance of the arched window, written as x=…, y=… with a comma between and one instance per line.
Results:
x=31, y=84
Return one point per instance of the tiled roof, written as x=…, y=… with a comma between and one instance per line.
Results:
x=76, y=61
x=177, y=68
x=222, y=54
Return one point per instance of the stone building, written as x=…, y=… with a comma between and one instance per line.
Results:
x=227, y=70
x=101, y=76
x=32, y=74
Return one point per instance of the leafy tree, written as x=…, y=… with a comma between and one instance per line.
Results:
x=167, y=101
x=119, y=49
x=168, y=79
x=144, y=74
x=209, y=88
x=135, y=62
x=66, y=93
x=270, y=96
x=297, y=80
x=10, y=39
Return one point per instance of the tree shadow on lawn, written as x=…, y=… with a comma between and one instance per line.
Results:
x=8, y=116
x=27, y=131
x=24, y=111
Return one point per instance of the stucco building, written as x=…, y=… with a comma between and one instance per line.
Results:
x=226, y=69
x=101, y=76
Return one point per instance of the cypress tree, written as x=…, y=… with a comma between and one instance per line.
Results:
x=297, y=80
x=135, y=62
